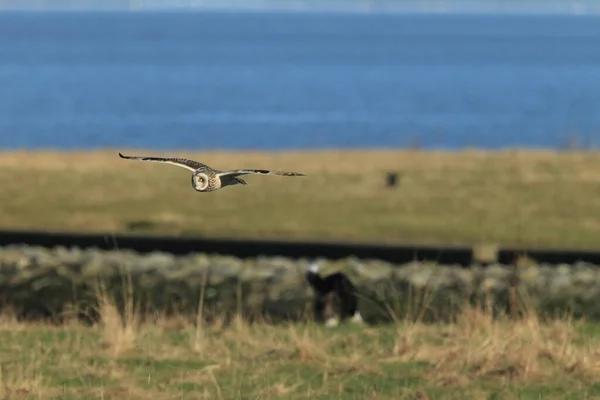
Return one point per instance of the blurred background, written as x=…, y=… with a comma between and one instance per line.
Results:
x=419, y=81
x=271, y=75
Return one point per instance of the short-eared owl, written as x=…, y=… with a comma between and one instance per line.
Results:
x=207, y=179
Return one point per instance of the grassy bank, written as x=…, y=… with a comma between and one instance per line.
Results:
x=474, y=358
x=529, y=198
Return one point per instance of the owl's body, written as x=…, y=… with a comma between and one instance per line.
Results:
x=207, y=179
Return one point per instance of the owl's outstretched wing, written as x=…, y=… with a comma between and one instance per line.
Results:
x=180, y=162
x=237, y=172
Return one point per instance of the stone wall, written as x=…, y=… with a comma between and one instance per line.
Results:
x=38, y=282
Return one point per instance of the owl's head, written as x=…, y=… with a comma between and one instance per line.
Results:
x=200, y=181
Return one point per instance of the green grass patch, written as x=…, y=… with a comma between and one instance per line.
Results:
x=476, y=357
x=521, y=198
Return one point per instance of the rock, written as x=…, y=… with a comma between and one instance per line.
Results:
x=374, y=271
x=584, y=276
x=39, y=277
x=560, y=284
x=464, y=278
x=420, y=276
x=492, y=284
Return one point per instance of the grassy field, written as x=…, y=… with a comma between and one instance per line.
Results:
x=521, y=198
x=475, y=358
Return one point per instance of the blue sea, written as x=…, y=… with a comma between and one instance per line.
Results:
x=298, y=80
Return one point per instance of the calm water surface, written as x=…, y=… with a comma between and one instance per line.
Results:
x=284, y=80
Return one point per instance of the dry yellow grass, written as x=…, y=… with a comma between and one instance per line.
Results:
x=516, y=197
x=476, y=357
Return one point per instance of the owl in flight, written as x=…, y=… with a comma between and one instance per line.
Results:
x=207, y=179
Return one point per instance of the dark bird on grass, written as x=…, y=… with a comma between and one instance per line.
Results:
x=207, y=179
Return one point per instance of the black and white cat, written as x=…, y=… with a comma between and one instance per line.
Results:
x=335, y=297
